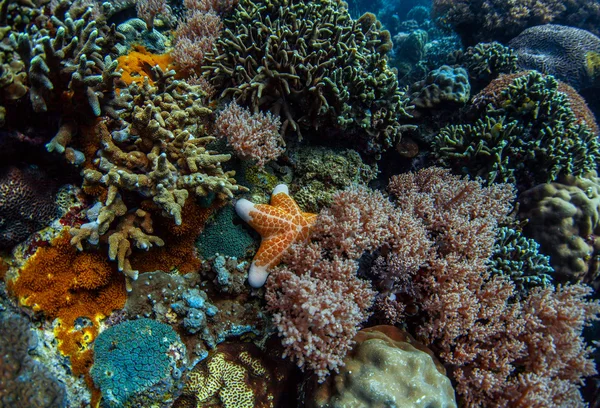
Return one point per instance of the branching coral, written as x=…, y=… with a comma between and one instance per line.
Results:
x=312, y=64
x=527, y=133
x=160, y=153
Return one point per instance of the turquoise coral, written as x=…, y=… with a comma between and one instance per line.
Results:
x=137, y=363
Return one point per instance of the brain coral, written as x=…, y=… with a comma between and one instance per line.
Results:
x=314, y=65
x=387, y=368
x=559, y=51
x=564, y=218
x=26, y=203
x=137, y=363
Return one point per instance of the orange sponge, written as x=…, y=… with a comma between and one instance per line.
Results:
x=138, y=65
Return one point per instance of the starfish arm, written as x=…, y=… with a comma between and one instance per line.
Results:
x=269, y=255
x=286, y=203
x=265, y=219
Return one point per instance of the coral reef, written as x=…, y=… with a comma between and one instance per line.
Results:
x=24, y=381
x=526, y=133
x=138, y=363
x=563, y=217
x=252, y=136
x=559, y=51
x=295, y=63
x=26, y=203
x=71, y=286
x=485, y=61
x=499, y=20
x=385, y=365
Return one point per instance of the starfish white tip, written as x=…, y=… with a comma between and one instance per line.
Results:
x=257, y=276
x=281, y=188
x=243, y=208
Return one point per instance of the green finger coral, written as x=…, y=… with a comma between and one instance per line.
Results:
x=311, y=63
x=527, y=133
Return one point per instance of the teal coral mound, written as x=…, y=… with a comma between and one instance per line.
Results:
x=526, y=133
x=222, y=236
x=518, y=258
x=137, y=364
x=443, y=86
x=313, y=64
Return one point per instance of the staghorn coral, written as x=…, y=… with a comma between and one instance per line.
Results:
x=137, y=363
x=310, y=63
x=26, y=203
x=252, y=136
x=71, y=286
x=559, y=51
x=525, y=133
x=159, y=153
x=563, y=217
x=74, y=59
x=499, y=20
x=24, y=381
x=386, y=365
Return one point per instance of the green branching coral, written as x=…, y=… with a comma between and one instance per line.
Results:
x=517, y=257
x=311, y=63
x=485, y=61
x=526, y=134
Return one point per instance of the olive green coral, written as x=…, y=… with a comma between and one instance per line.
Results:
x=314, y=65
x=526, y=133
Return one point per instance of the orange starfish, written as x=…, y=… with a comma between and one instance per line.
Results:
x=280, y=224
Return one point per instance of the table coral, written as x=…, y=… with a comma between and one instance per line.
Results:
x=137, y=363
x=386, y=367
x=316, y=67
x=70, y=285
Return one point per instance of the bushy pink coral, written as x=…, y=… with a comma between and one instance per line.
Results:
x=194, y=38
x=147, y=10
x=252, y=136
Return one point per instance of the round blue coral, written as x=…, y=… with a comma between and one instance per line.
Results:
x=134, y=363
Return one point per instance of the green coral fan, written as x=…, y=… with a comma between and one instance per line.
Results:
x=310, y=62
x=222, y=236
x=319, y=173
x=518, y=258
x=564, y=218
x=136, y=364
x=526, y=134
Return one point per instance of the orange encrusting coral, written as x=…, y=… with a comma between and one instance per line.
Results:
x=179, y=251
x=138, y=63
x=70, y=285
